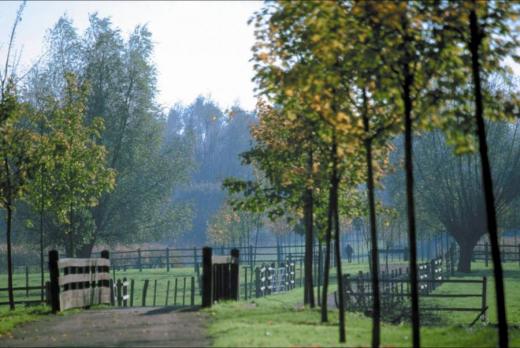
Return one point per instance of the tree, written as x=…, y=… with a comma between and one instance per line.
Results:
x=230, y=227
x=17, y=146
x=216, y=138
x=148, y=161
x=75, y=164
x=299, y=55
x=16, y=149
x=477, y=33
x=288, y=178
x=455, y=180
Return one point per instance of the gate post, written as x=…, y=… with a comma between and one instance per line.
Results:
x=54, y=274
x=235, y=274
x=119, y=286
x=207, y=277
x=486, y=254
x=167, y=259
x=257, y=282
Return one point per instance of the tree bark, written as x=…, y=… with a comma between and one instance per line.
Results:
x=337, y=245
x=487, y=180
x=412, y=238
x=326, y=268
x=376, y=305
x=9, y=210
x=308, y=221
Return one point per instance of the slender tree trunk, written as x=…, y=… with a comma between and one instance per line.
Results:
x=42, y=280
x=487, y=181
x=9, y=210
x=412, y=238
x=337, y=245
x=308, y=221
x=326, y=268
x=376, y=305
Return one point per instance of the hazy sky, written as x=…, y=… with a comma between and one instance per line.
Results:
x=200, y=47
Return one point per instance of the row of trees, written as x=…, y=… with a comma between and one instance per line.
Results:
x=215, y=137
x=338, y=81
x=85, y=156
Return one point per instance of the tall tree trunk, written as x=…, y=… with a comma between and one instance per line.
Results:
x=376, y=305
x=42, y=270
x=9, y=210
x=487, y=180
x=412, y=238
x=337, y=245
x=308, y=221
x=326, y=268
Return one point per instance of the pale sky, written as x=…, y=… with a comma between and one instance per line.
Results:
x=201, y=48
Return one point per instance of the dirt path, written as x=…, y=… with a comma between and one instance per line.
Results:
x=121, y=327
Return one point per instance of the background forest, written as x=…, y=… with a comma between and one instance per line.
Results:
x=164, y=169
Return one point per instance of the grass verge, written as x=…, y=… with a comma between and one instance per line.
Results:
x=9, y=319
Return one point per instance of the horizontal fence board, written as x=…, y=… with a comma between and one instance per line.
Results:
x=22, y=288
x=26, y=302
x=83, y=277
x=451, y=309
x=62, y=263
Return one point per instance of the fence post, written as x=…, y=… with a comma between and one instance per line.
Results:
x=145, y=290
x=54, y=274
x=192, y=290
x=246, y=280
x=154, y=292
x=167, y=259
x=131, y=293
x=251, y=256
x=484, y=298
x=125, y=292
x=139, y=261
x=119, y=285
x=519, y=255
x=26, y=281
x=195, y=260
x=257, y=282
x=452, y=259
x=486, y=253
x=207, y=277
x=106, y=255
x=184, y=292
x=235, y=274
x=301, y=273
x=432, y=285
x=175, y=293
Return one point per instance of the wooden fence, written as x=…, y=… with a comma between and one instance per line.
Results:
x=395, y=288
x=220, y=277
x=78, y=282
x=508, y=253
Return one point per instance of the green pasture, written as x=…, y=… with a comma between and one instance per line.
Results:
x=281, y=320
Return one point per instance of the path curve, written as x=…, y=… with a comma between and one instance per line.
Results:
x=122, y=327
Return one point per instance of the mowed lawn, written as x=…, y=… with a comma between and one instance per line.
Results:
x=280, y=320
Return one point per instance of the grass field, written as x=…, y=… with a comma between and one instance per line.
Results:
x=280, y=320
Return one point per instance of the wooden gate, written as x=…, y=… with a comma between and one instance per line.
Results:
x=78, y=282
x=220, y=277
